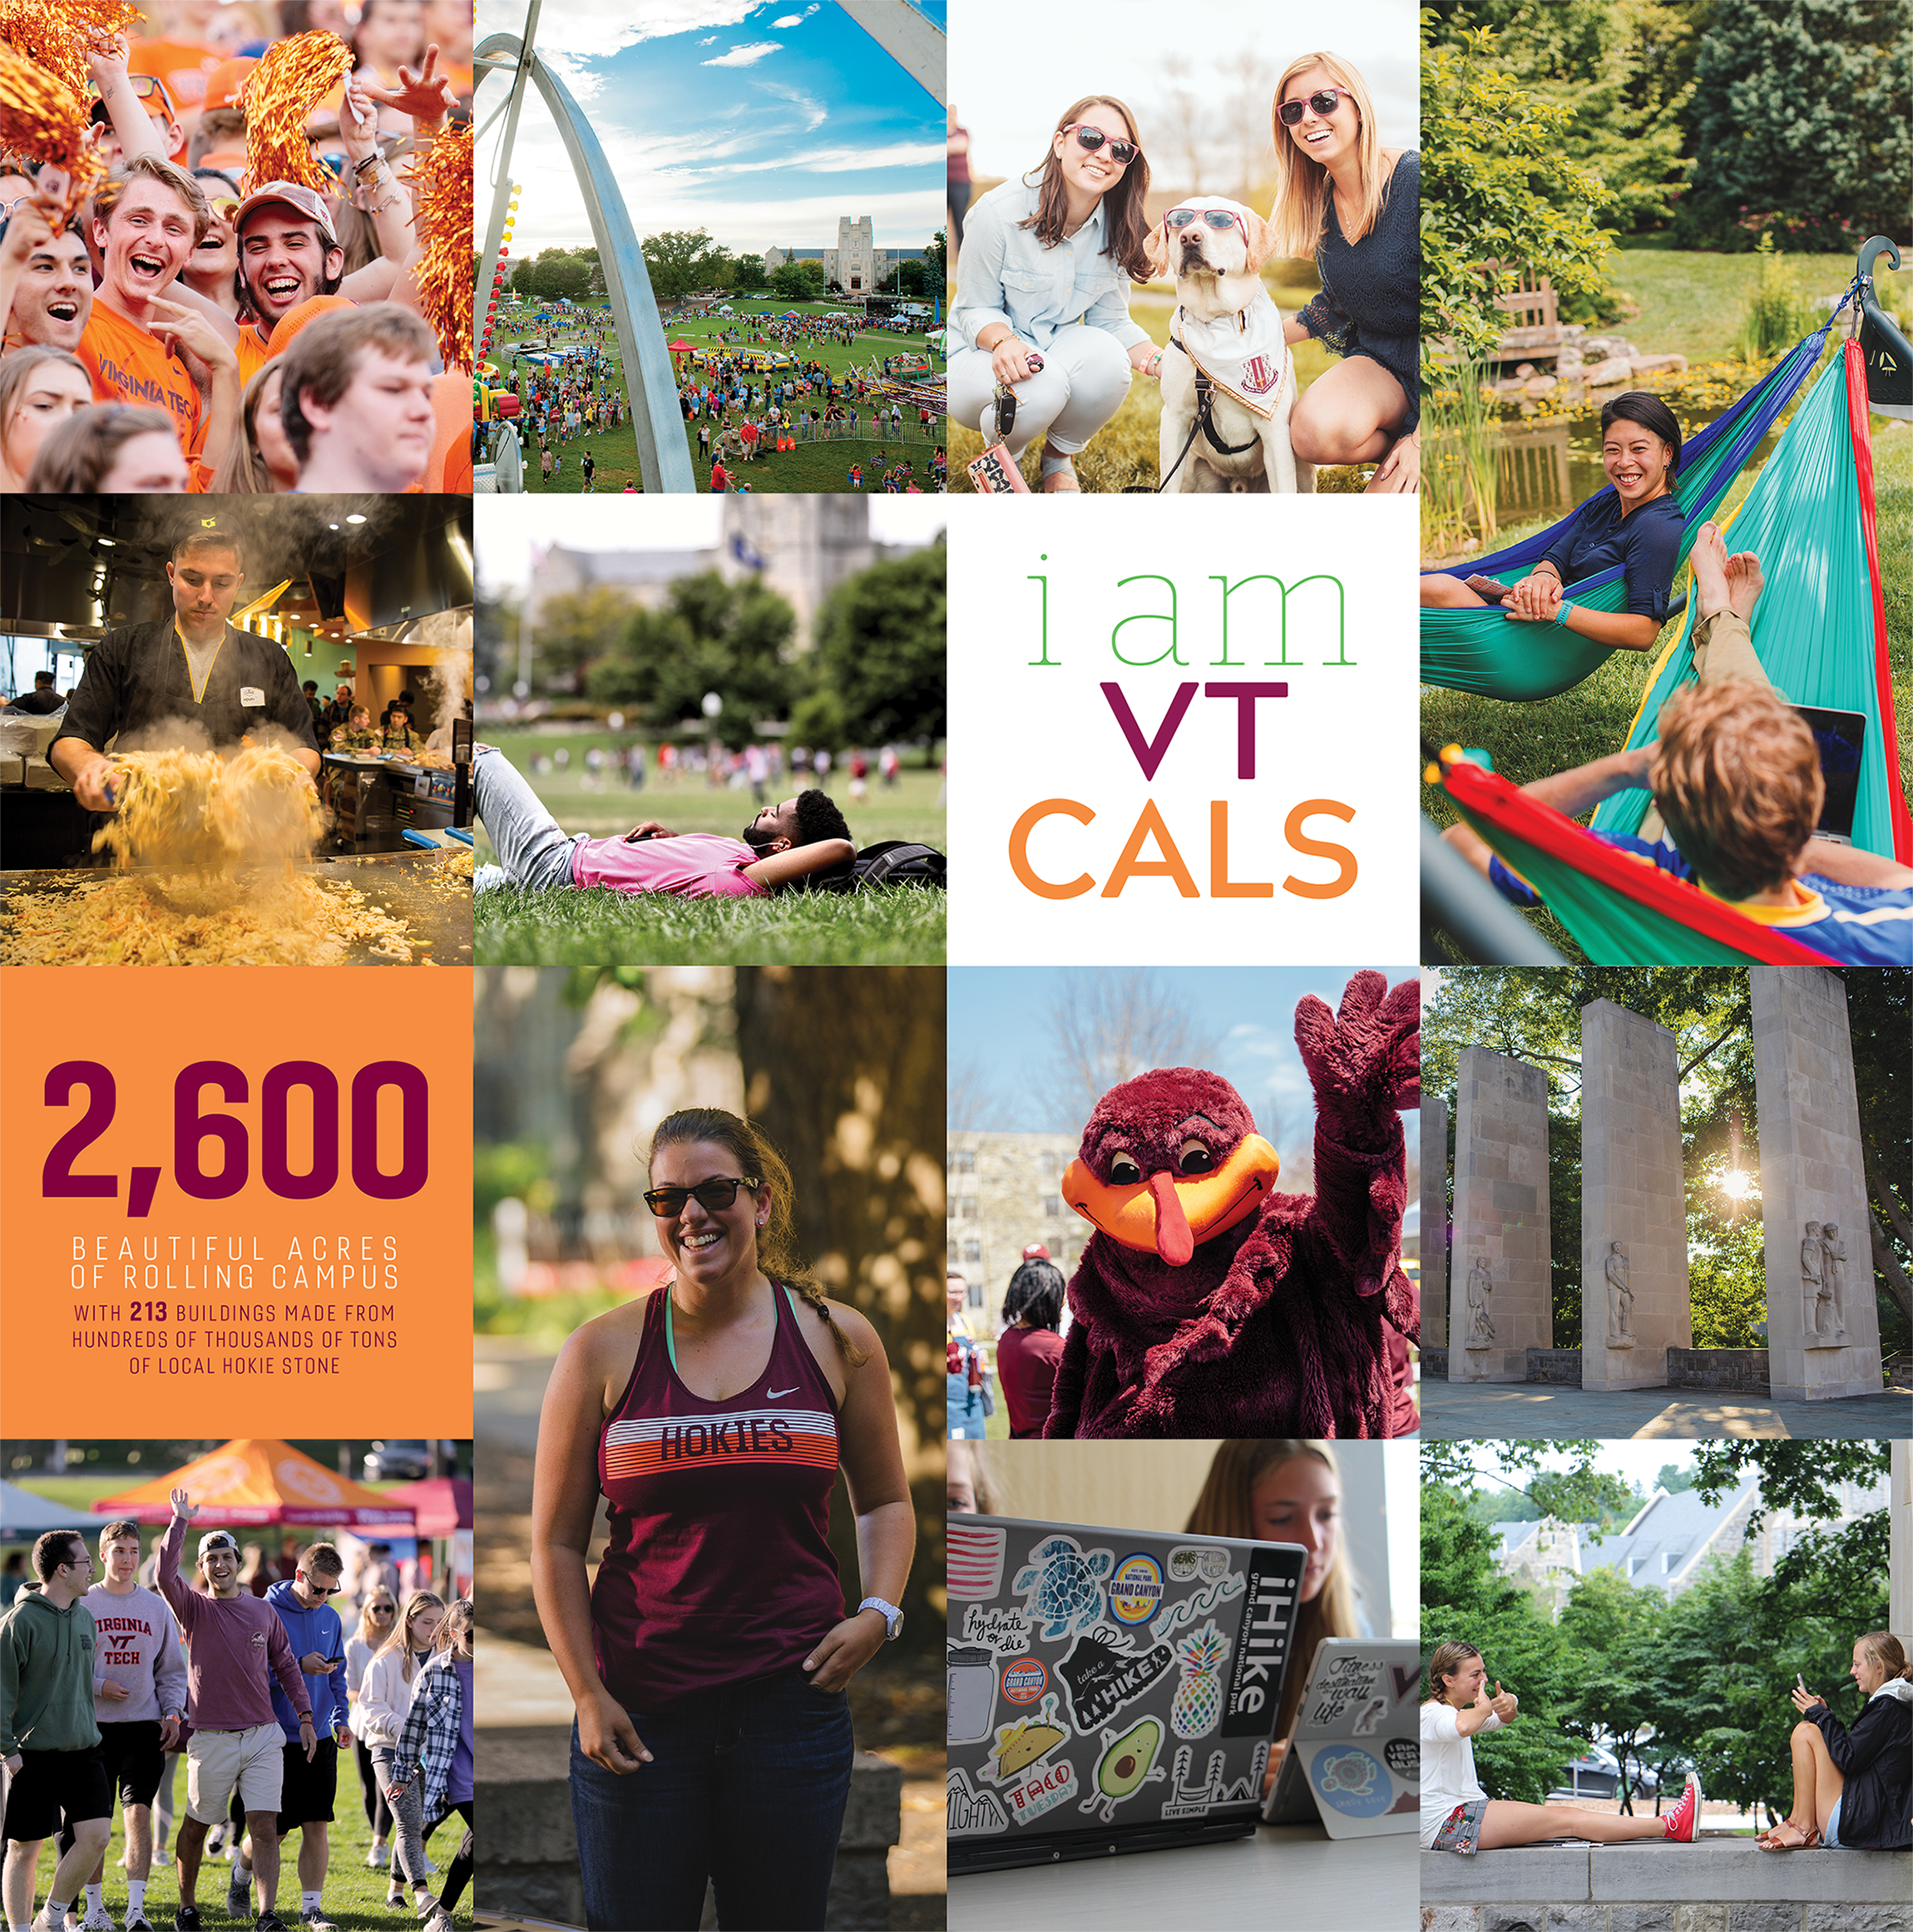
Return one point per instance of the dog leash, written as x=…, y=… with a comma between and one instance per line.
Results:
x=1203, y=425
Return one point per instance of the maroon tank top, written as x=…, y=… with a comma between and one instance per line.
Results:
x=719, y=1567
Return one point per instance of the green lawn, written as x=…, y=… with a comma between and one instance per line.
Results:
x=904, y=926
x=1127, y=450
x=1528, y=741
x=813, y=468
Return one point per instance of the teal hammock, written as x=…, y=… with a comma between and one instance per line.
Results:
x=1820, y=628
x=1480, y=650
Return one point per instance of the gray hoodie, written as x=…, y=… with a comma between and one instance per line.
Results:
x=46, y=1677
x=139, y=1647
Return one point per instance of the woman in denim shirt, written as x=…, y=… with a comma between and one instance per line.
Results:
x=1043, y=290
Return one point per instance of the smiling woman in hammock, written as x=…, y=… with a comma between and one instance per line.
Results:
x=1638, y=527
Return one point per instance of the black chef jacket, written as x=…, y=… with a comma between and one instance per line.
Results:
x=138, y=678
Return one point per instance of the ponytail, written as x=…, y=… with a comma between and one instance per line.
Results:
x=777, y=1251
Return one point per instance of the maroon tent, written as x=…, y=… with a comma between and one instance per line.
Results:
x=441, y=1504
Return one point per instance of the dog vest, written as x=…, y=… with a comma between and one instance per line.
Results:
x=1243, y=354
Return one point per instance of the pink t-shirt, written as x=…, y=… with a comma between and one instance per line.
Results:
x=694, y=865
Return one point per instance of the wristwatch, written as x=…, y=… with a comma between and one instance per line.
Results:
x=891, y=1615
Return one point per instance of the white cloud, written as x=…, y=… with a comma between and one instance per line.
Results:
x=842, y=161
x=743, y=56
x=596, y=29
x=785, y=20
x=709, y=40
x=813, y=110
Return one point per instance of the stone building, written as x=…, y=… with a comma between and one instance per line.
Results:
x=1004, y=1192
x=856, y=265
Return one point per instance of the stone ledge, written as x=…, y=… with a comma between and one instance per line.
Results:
x=1539, y=1917
x=1650, y=1872
x=1744, y=1369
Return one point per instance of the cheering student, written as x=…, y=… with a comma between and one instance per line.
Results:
x=139, y=1705
x=235, y=1645
x=48, y=1736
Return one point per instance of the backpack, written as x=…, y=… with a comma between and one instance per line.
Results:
x=891, y=861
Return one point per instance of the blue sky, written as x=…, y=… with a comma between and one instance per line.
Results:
x=761, y=123
x=999, y=1022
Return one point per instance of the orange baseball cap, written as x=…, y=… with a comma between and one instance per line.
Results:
x=224, y=82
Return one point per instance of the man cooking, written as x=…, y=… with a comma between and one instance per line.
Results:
x=197, y=669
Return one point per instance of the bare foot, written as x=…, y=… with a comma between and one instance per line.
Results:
x=1744, y=583
x=1708, y=557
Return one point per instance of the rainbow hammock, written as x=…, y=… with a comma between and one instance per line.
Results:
x=1480, y=651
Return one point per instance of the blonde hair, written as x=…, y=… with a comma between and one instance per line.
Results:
x=455, y=1631
x=1886, y=1650
x=402, y=1624
x=777, y=1254
x=1226, y=1508
x=242, y=470
x=14, y=371
x=1300, y=215
x=365, y=1634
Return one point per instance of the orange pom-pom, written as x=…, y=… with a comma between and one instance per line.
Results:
x=440, y=180
x=54, y=33
x=42, y=116
x=292, y=78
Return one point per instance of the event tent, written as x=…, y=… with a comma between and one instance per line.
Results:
x=24, y=1516
x=255, y=1480
x=442, y=1504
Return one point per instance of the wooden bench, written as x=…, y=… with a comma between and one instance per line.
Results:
x=1536, y=334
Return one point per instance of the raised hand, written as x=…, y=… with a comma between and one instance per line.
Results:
x=1504, y=1703
x=183, y=1506
x=425, y=95
x=1369, y=1055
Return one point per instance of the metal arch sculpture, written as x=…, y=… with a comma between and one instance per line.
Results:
x=663, y=456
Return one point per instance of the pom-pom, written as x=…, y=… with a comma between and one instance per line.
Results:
x=440, y=180
x=292, y=78
x=42, y=116
x=53, y=33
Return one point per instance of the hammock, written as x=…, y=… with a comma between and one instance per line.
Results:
x=1820, y=628
x=1482, y=651
x=1624, y=910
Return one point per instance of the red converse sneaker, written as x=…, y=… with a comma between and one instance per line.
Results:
x=1684, y=1821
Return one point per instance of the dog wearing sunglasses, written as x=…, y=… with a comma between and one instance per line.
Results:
x=1226, y=328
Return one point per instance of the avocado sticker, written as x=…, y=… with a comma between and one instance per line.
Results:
x=1128, y=1763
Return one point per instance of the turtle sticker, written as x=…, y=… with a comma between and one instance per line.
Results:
x=1063, y=1584
x=1102, y=1673
x=1350, y=1780
x=1026, y=1742
x=970, y=1813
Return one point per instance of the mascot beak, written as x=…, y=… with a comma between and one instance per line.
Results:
x=1172, y=1218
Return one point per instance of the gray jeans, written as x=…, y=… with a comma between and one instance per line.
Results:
x=408, y=1816
x=533, y=850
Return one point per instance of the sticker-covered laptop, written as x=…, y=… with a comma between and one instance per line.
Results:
x=1354, y=1756
x=1110, y=1690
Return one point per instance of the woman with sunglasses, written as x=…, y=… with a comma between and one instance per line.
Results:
x=1042, y=308
x=1355, y=207
x=210, y=270
x=709, y=1660
x=375, y=1625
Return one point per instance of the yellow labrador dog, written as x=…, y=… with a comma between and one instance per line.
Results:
x=1227, y=329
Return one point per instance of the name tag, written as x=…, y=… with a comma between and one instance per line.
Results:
x=251, y=695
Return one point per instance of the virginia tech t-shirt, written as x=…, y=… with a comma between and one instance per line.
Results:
x=129, y=365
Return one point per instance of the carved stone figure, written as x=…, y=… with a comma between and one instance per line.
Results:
x=1620, y=1298
x=1832, y=1279
x=1480, y=1285
x=1813, y=1271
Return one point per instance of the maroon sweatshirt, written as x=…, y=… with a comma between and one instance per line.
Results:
x=233, y=1645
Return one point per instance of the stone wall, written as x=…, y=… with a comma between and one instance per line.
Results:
x=1004, y=1192
x=1434, y=1365
x=1433, y=1252
x=1740, y=1916
x=1744, y=1369
x=1500, y=1217
x=1561, y=1365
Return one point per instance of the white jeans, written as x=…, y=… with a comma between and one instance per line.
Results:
x=1084, y=377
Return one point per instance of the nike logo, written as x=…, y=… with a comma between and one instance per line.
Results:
x=775, y=1393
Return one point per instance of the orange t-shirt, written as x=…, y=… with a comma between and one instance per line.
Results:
x=252, y=353
x=128, y=365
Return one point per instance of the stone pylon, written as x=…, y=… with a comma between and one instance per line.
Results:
x=1500, y=1300
x=1634, y=1301
x=1822, y=1325
x=1434, y=1223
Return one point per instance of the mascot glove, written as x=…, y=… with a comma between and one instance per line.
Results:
x=1367, y=1059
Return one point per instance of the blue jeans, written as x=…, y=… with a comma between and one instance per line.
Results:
x=534, y=851
x=963, y=1413
x=746, y=1787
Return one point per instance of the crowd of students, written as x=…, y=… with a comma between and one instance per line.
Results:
x=105, y=1683
x=187, y=328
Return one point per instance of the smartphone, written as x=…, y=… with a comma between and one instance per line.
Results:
x=1800, y=1680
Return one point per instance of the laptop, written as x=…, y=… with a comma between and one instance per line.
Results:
x=1110, y=1690
x=1841, y=737
x=1354, y=1756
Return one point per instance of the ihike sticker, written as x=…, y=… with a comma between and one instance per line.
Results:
x=1267, y=1630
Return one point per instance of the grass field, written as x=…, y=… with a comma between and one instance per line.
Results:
x=1694, y=304
x=904, y=926
x=1127, y=449
x=1527, y=741
x=814, y=468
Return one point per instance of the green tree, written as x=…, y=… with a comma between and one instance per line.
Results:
x=1497, y=184
x=789, y=281
x=812, y=270
x=910, y=278
x=1801, y=123
x=880, y=651
x=1589, y=1496
x=679, y=262
x=572, y=632
x=1674, y=1479
x=710, y=636
x=557, y=276
x=524, y=275
x=936, y=260
x=1612, y=1631
x=746, y=272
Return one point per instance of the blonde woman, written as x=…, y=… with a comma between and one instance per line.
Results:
x=1355, y=207
x=1283, y=1490
x=708, y=1659
x=1458, y=1815
x=376, y=1623
x=39, y=389
x=259, y=460
x=1852, y=1786
x=384, y=1700
x=432, y=1776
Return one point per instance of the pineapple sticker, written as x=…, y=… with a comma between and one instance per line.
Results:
x=1198, y=1707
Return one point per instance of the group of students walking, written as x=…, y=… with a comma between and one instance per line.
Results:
x=100, y=1681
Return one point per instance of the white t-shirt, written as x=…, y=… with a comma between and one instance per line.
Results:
x=1447, y=1766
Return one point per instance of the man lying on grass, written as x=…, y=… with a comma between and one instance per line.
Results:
x=1737, y=792
x=782, y=845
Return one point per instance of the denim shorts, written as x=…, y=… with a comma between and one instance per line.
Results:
x=746, y=1789
x=1831, y=1836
